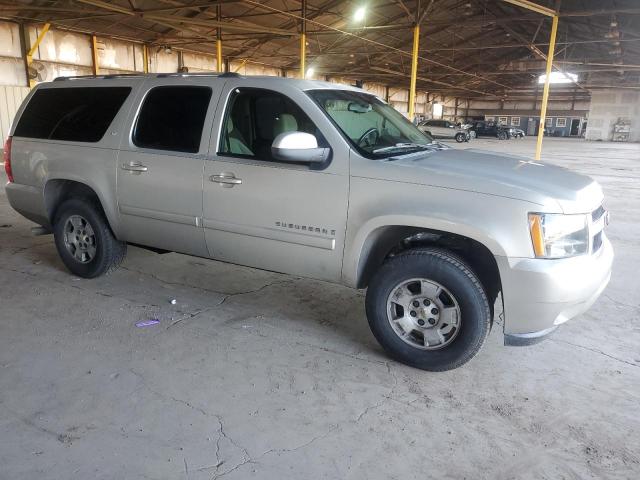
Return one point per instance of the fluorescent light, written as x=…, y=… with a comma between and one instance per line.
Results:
x=310, y=71
x=559, y=77
x=358, y=16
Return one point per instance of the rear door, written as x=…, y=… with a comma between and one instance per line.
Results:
x=161, y=161
x=268, y=214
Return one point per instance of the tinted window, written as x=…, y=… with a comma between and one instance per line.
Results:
x=74, y=114
x=172, y=118
x=255, y=117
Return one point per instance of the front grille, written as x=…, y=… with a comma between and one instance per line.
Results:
x=597, y=227
x=597, y=213
x=597, y=242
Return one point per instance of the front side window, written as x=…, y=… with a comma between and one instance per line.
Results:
x=373, y=127
x=255, y=117
x=79, y=114
x=172, y=118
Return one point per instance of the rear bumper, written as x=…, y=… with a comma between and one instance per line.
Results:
x=28, y=201
x=539, y=295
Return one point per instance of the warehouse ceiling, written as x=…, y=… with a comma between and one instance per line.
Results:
x=467, y=48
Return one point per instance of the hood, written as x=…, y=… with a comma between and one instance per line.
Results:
x=498, y=174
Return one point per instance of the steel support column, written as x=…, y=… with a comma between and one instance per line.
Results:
x=33, y=49
x=303, y=40
x=94, y=55
x=414, y=71
x=219, y=65
x=545, y=91
x=145, y=58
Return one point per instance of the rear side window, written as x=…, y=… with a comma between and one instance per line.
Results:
x=172, y=118
x=80, y=114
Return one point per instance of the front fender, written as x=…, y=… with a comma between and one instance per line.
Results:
x=498, y=223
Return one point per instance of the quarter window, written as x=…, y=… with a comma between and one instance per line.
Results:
x=172, y=118
x=81, y=114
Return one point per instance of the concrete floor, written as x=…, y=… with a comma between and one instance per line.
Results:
x=259, y=375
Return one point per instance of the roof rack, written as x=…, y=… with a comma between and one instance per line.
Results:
x=156, y=75
x=82, y=77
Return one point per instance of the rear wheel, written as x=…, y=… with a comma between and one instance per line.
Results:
x=460, y=137
x=84, y=239
x=428, y=309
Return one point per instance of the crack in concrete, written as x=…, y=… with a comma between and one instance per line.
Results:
x=595, y=350
x=256, y=290
x=618, y=302
x=224, y=294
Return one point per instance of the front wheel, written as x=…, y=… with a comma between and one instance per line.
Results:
x=84, y=239
x=460, y=137
x=428, y=309
x=502, y=135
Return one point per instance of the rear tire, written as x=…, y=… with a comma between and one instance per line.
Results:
x=417, y=334
x=84, y=239
x=460, y=137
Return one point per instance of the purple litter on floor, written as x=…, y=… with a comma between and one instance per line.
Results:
x=147, y=323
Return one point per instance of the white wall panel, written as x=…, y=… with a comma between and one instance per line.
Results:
x=63, y=47
x=10, y=100
x=9, y=39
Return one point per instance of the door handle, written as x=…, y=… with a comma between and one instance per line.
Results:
x=227, y=180
x=134, y=167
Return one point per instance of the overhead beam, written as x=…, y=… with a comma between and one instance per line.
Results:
x=533, y=7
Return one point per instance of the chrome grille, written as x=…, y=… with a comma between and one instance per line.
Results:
x=598, y=222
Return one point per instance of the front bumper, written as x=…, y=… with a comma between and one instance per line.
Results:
x=538, y=294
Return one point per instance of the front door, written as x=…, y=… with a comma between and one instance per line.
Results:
x=160, y=166
x=264, y=213
x=575, y=127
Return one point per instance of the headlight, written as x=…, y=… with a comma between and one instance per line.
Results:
x=557, y=236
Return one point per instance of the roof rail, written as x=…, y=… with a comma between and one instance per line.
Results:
x=115, y=75
x=156, y=75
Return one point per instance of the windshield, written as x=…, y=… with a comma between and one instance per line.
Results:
x=373, y=127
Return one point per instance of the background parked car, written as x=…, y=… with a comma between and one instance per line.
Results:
x=444, y=129
x=491, y=129
x=518, y=133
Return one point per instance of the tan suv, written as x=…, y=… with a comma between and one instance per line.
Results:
x=318, y=180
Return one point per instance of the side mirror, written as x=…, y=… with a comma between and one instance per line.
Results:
x=298, y=147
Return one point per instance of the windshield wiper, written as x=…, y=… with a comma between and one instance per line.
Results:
x=402, y=146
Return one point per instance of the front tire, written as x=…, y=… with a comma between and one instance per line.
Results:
x=502, y=135
x=427, y=309
x=84, y=239
x=460, y=137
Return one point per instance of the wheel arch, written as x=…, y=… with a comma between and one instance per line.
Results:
x=386, y=241
x=57, y=190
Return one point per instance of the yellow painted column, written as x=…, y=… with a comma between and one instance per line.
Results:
x=94, y=55
x=545, y=92
x=414, y=72
x=219, y=65
x=303, y=54
x=33, y=49
x=145, y=58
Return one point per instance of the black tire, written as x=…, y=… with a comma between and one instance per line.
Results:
x=109, y=251
x=452, y=273
x=460, y=137
x=502, y=135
